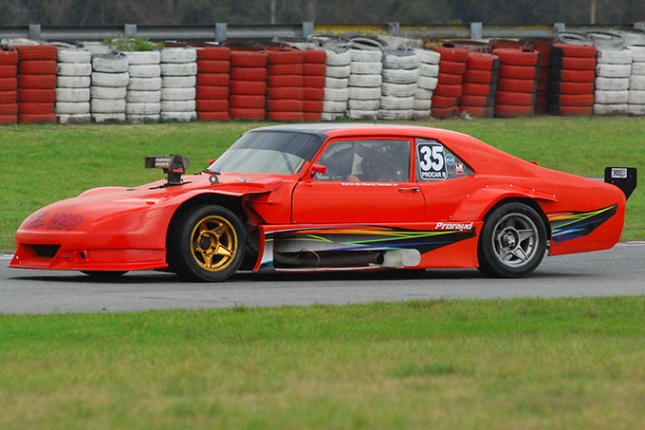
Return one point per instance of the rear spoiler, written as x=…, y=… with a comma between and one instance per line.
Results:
x=622, y=177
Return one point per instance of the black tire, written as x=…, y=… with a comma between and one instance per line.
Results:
x=206, y=244
x=513, y=241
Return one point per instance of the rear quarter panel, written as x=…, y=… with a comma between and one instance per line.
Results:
x=583, y=214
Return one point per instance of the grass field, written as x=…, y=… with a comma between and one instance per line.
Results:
x=529, y=364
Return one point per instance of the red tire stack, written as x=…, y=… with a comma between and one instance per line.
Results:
x=37, y=68
x=314, y=68
x=543, y=47
x=285, y=89
x=480, y=85
x=572, y=79
x=8, y=87
x=446, y=96
x=517, y=82
x=248, y=85
x=213, y=78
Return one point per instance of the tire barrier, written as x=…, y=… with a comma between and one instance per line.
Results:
x=285, y=85
x=314, y=67
x=73, y=86
x=614, y=67
x=109, y=88
x=365, y=80
x=447, y=94
x=517, y=85
x=178, y=83
x=143, y=99
x=37, y=67
x=480, y=85
x=636, y=101
x=8, y=86
x=428, y=79
x=400, y=77
x=324, y=79
x=543, y=48
x=572, y=75
x=336, y=93
x=248, y=85
x=213, y=78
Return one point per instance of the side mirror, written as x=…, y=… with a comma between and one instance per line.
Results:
x=318, y=168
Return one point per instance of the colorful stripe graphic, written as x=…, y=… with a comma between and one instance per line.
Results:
x=359, y=239
x=578, y=224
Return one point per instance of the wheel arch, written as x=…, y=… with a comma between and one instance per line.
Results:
x=233, y=203
x=480, y=204
x=492, y=266
x=525, y=200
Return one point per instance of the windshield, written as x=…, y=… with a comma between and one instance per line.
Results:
x=269, y=151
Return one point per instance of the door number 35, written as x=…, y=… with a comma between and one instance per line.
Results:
x=432, y=161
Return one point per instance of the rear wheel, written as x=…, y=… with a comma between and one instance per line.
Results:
x=207, y=244
x=513, y=241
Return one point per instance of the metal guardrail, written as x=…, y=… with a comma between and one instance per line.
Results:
x=222, y=32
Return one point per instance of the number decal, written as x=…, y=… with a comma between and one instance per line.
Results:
x=432, y=161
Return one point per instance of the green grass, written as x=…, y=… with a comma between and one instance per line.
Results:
x=42, y=164
x=565, y=363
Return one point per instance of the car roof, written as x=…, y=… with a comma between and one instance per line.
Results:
x=478, y=154
x=334, y=129
x=331, y=130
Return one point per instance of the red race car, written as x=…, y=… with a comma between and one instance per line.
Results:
x=324, y=197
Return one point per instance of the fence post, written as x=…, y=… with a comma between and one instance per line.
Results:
x=558, y=28
x=307, y=29
x=130, y=30
x=393, y=28
x=34, y=31
x=220, y=31
x=476, y=30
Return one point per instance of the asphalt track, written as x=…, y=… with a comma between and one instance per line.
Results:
x=616, y=272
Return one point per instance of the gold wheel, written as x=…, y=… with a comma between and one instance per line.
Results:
x=214, y=243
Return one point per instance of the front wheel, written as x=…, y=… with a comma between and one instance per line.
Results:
x=512, y=242
x=206, y=244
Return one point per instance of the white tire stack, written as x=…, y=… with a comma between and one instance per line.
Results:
x=143, y=100
x=73, y=86
x=636, y=102
x=109, y=87
x=178, y=84
x=428, y=79
x=365, y=81
x=336, y=84
x=612, y=81
x=400, y=75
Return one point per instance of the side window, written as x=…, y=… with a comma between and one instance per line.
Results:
x=435, y=162
x=339, y=158
x=367, y=161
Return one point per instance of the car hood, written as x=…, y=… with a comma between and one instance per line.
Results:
x=104, y=204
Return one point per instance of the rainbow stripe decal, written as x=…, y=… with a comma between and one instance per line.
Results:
x=578, y=224
x=361, y=238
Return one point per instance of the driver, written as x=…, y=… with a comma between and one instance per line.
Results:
x=376, y=166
